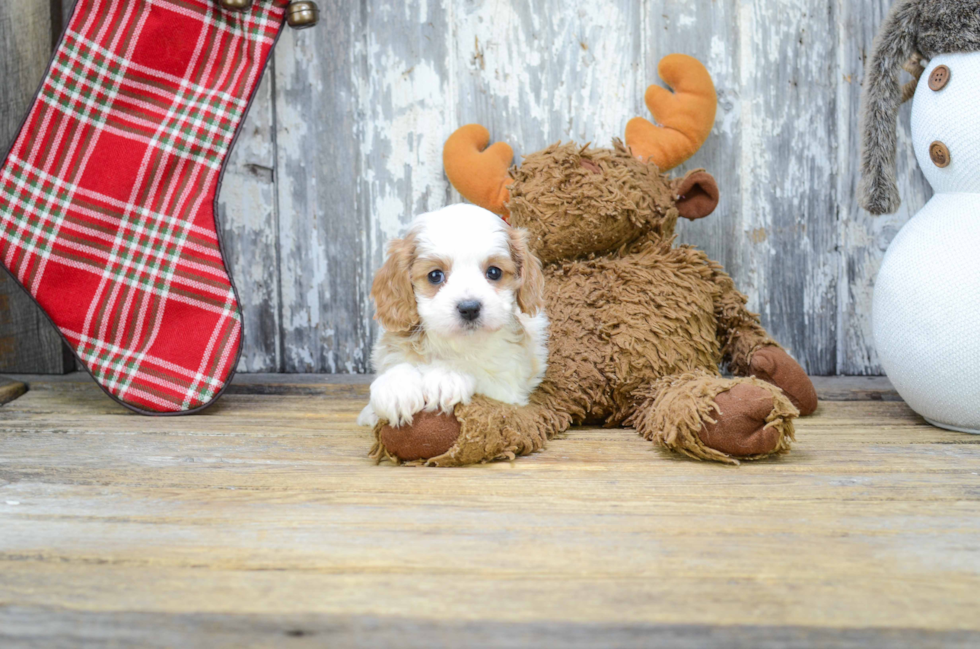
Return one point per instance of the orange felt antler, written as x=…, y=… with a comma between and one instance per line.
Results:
x=687, y=114
x=477, y=172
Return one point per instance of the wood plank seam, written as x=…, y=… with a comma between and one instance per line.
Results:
x=11, y=390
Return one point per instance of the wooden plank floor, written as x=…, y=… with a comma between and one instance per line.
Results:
x=263, y=522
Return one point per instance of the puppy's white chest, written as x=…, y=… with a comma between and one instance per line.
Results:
x=506, y=365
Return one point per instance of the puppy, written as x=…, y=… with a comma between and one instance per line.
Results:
x=461, y=300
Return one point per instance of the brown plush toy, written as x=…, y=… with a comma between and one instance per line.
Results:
x=639, y=326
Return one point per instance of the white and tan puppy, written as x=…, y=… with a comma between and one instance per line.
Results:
x=460, y=299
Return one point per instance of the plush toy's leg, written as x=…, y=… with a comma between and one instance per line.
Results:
x=749, y=351
x=773, y=365
x=708, y=417
x=107, y=195
x=482, y=431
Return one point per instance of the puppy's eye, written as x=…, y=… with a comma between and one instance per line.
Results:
x=437, y=277
x=494, y=273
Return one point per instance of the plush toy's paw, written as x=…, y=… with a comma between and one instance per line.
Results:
x=443, y=389
x=709, y=417
x=483, y=431
x=773, y=365
x=741, y=427
x=429, y=435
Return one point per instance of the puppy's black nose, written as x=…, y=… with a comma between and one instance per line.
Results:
x=469, y=310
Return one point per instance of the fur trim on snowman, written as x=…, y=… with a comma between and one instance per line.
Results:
x=913, y=30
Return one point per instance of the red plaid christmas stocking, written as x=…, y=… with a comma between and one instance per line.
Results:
x=107, y=195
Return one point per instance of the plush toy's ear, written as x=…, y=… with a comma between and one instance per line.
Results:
x=880, y=99
x=530, y=289
x=697, y=194
x=392, y=291
x=477, y=171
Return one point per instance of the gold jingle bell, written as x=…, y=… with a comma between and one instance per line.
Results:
x=236, y=5
x=301, y=15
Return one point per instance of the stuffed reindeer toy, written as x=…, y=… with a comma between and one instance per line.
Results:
x=639, y=325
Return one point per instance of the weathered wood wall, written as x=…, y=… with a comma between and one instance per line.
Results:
x=343, y=146
x=28, y=342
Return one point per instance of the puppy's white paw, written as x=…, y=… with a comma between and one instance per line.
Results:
x=396, y=395
x=443, y=389
x=367, y=417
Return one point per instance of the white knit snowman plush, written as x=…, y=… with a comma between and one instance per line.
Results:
x=926, y=310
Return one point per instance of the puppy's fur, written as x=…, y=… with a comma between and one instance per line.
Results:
x=433, y=353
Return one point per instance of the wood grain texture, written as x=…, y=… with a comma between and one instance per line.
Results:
x=710, y=33
x=323, y=225
x=855, y=388
x=28, y=341
x=248, y=219
x=264, y=516
x=34, y=626
x=829, y=388
x=788, y=131
x=10, y=390
x=66, y=8
x=535, y=73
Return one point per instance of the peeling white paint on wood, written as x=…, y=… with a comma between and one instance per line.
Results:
x=248, y=222
x=28, y=341
x=323, y=266
x=787, y=212
x=343, y=146
x=535, y=73
x=709, y=32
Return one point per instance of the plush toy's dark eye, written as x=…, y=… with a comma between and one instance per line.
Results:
x=494, y=273
x=437, y=277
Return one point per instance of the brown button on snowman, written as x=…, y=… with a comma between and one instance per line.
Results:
x=926, y=308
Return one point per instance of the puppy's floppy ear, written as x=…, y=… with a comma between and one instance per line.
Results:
x=530, y=279
x=392, y=290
